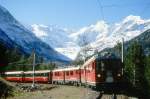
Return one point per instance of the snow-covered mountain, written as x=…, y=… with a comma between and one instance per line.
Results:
x=97, y=36
x=102, y=35
x=56, y=37
x=14, y=31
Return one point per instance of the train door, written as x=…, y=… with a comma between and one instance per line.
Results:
x=64, y=77
x=79, y=75
x=50, y=75
x=85, y=74
x=23, y=77
x=100, y=71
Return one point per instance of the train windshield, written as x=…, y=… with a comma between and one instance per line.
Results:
x=111, y=64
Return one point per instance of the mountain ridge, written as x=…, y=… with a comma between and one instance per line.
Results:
x=98, y=36
x=25, y=38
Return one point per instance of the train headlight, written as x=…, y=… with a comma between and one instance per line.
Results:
x=119, y=75
x=98, y=75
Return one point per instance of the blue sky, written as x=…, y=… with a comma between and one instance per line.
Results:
x=75, y=13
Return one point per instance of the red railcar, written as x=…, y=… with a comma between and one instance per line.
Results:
x=14, y=76
x=58, y=76
x=88, y=72
x=70, y=75
x=102, y=72
x=42, y=76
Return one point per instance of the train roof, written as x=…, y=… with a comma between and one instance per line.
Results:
x=106, y=56
x=88, y=61
x=27, y=72
x=39, y=71
x=13, y=72
x=66, y=69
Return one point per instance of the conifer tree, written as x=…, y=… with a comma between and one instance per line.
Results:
x=147, y=73
x=135, y=65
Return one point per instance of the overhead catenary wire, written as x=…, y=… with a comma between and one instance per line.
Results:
x=122, y=5
x=102, y=6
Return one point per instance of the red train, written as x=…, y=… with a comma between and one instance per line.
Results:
x=69, y=75
x=41, y=76
x=97, y=72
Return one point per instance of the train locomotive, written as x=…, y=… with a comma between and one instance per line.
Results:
x=99, y=72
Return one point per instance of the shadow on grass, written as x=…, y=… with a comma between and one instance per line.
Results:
x=6, y=89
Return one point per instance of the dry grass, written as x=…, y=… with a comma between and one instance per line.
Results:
x=64, y=92
x=48, y=91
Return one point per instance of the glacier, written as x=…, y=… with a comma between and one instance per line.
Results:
x=98, y=36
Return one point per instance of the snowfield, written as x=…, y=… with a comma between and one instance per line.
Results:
x=98, y=36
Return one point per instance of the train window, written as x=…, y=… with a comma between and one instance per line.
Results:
x=28, y=75
x=71, y=72
x=82, y=71
x=67, y=73
x=88, y=67
x=45, y=74
x=77, y=72
x=12, y=75
x=98, y=65
x=93, y=65
x=102, y=66
x=37, y=74
x=16, y=75
x=55, y=73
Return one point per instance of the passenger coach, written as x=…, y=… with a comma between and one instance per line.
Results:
x=70, y=75
x=42, y=76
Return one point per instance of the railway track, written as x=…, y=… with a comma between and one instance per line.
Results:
x=90, y=94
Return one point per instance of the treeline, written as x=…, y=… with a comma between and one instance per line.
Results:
x=137, y=67
x=13, y=59
x=25, y=63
